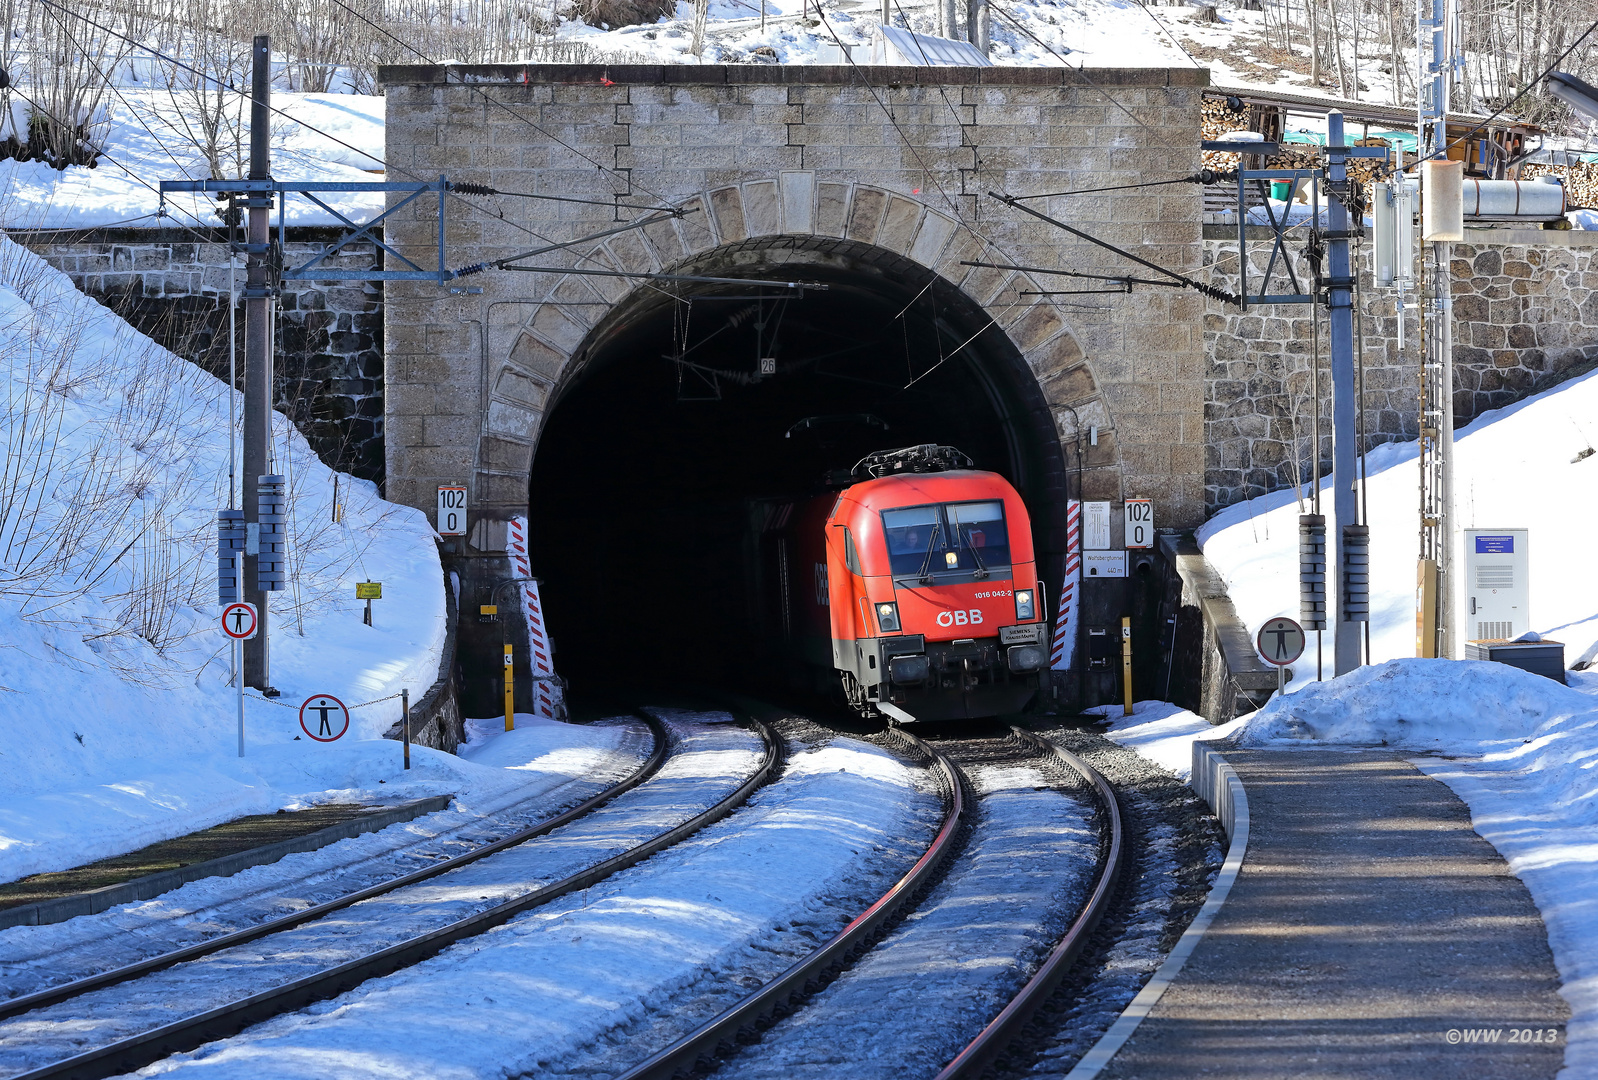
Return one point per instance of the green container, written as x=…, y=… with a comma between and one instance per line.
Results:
x=1281, y=189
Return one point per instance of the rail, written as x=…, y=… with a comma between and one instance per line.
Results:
x=991, y=1041
x=683, y=1055
x=137, y=1051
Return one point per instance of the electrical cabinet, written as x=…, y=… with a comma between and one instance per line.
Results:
x=1497, y=584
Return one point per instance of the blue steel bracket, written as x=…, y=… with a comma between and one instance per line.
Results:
x=1278, y=228
x=308, y=271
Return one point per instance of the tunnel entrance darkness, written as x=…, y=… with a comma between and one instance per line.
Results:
x=665, y=432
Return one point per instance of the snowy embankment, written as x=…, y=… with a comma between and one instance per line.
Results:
x=149, y=136
x=1519, y=749
x=119, y=728
x=1527, y=466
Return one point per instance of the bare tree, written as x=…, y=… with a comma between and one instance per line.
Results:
x=210, y=108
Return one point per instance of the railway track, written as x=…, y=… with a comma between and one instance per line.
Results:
x=205, y=1025
x=789, y=991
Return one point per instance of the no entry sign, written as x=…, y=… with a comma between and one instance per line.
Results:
x=1280, y=642
x=324, y=718
x=239, y=621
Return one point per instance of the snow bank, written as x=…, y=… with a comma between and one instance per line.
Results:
x=1516, y=467
x=1163, y=733
x=119, y=727
x=1458, y=707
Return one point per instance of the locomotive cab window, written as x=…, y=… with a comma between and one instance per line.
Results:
x=978, y=535
x=851, y=557
x=912, y=534
x=965, y=538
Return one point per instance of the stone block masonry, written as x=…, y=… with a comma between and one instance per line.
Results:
x=1525, y=317
x=797, y=158
x=172, y=285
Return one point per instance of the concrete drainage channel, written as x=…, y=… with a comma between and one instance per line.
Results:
x=133, y=1051
x=93, y=901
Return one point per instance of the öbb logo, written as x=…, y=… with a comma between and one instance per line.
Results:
x=960, y=618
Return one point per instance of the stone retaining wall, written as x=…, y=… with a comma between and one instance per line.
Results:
x=172, y=284
x=1525, y=316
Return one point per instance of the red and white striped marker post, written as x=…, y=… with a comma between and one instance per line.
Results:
x=541, y=660
x=1064, y=639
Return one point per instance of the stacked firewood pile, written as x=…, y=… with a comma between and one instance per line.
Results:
x=1581, y=180
x=1218, y=119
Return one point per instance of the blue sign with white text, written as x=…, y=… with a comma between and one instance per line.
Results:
x=1495, y=545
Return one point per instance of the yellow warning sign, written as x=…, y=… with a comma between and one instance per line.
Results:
x=368, y=590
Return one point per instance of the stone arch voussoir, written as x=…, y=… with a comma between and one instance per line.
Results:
x=531, y=351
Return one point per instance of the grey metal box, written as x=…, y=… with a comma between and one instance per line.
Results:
x=1546, y=658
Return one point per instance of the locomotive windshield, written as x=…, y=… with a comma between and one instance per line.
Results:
x=952, y=537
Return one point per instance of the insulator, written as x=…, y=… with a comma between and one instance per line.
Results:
x=1356, y=573
x=272, y=512
x=229, y=552
x=471, y=189
x=1312, y=571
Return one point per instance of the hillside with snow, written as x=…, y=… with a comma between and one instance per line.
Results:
x=118, y=725
x=149, y=131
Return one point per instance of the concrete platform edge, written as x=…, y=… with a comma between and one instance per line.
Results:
x=144, y=888
x=1217, y=783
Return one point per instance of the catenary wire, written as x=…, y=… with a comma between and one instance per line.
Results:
x=309, y=127
x=497, y=103
x=1530, y=85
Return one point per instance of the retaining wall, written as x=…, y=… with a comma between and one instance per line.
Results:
x=172, y=285
x=1525, y=316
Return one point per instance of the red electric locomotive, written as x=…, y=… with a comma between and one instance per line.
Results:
x=925, y=585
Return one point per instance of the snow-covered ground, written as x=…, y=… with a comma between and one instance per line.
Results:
x=520, y=778
x=1163, y=733
x=709, y=760
x=576, y=979
x=147, y=139
x=120, y=726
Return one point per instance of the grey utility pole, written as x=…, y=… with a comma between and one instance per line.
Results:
x=1345, y=497
x=1437, y=365
x=258, y=351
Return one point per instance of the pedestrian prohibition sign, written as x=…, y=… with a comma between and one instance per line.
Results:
x=239, y=621
x=327, y=715
x=1280, y=641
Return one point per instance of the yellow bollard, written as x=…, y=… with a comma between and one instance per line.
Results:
x=1126, y=662
x=510, y=691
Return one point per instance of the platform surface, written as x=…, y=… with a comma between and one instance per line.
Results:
x=1370, y=933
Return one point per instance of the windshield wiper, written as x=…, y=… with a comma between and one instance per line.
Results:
x=922, y=575
x=981, y=571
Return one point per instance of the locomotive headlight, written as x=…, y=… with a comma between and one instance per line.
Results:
x=888, y=616
x=1024, y=607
